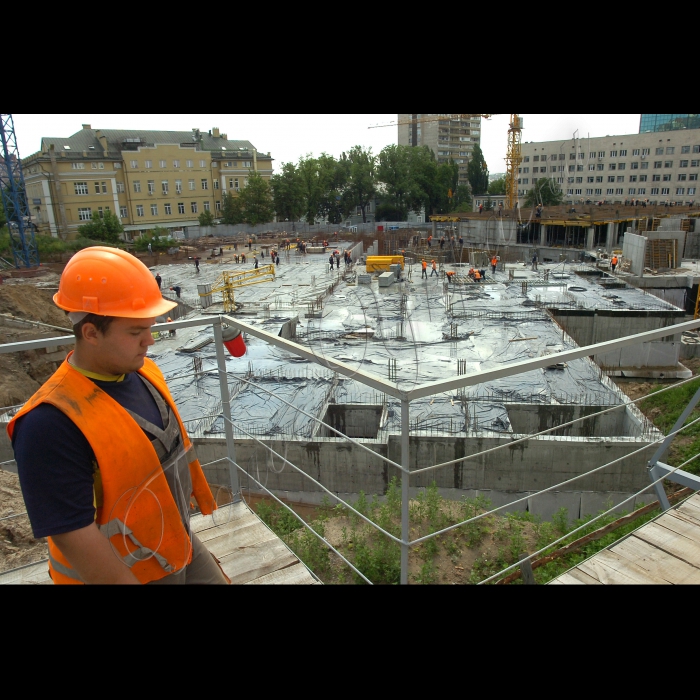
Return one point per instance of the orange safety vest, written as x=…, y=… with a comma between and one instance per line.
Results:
x=424, y=265
x=138, y=513
x=494, y=261
x=614, y=261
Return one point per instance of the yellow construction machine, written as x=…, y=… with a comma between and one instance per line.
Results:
x=226, y=282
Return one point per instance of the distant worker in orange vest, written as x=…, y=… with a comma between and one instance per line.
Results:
x=434, y=270
x=494, y=262
x=477, y=276
x=450, y=275
x=424, y=265
x=106, y=466
x=613, y=263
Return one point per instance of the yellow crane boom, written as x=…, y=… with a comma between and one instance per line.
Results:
x=226, y=282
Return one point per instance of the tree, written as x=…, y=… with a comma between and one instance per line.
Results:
x=288, y=193
x=231, y=210
x=159, y=238
x=462, y=199
x=362, y=180
x=498, y=186
x=478, y=172
x=206, y=218
x=256, y=200
x=332, y=180
x=545, y=192
x=105, y=228
x=401, y=192
x=308, y=172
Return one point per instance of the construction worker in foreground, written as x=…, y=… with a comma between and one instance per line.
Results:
x=424, y=266
x=105, y=464
x=433, y=265
x=613, y=263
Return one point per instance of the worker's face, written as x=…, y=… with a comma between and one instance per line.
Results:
x=123, y=347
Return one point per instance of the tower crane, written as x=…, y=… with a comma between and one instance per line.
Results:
x=513, y=155
x=13, y=193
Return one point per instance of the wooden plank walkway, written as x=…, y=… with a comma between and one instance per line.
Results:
x=664, y=551
x=249, y=552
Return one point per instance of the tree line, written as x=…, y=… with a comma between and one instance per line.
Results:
x=402, y=179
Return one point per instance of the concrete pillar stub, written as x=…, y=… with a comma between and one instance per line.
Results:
x=590, y=238
x=543, y=235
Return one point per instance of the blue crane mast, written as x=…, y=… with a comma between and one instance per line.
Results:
x=14, y=198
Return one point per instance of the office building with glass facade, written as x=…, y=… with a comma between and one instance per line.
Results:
x=668, y=122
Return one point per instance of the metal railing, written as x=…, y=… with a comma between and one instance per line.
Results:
x=385, y=388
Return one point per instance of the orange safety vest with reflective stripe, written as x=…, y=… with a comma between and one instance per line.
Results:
x=138, y=513
x=424, y=265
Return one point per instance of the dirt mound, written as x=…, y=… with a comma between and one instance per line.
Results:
x=17, y=544
x=29, y=302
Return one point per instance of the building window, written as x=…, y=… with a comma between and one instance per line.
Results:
x=613, y=154
x=191, y=184
x=117, y=166
x=133, y=164
x=581, y=155
x=645, y=165
x=665, y=190
x=120, y=188
x=560, y=180
x=667, y=177
x=694, y=163
x=216, y=183
x=569, y=191
x=80, y=187
x=526, y=159
x=635, y=152
x=670, y=150
x=578, y=191
x=218, y=205
x=610, y=191
x=180, y=207
x=525, y=181
x=205, y=184
x=579, y=179
x=657, y=164
x=591, y=166
x=618, y=190
x=249, y=164
x=691, y=190
x=590, y=179
x=84, y=213
x=599, y=178
x=621, y=166
x=612, y=166
x=642, y=190
x=696, y=149
x=137, y=185
x=600, y=166
x=78, y=166
x=93, y=166
x=154, y=210
x=633, y=178
x=202, y=163
x=164, y=186
x=680, y=190
x=620, y=178
x=693, y=176
x=601, y=154
x=611, y=178
x=570, y=180
x=654, y=190
x=176, y=164
x=646, y=151
x=206, y=206
x=178, y=186
x=685, y=149
x=151, y=186
x=660, y=151
x=122, y=212
x=228, y=164
x=643, y=178
x=634, y=166
x=572, y=156
x=572, y=168
x=632, y=190
x=684, y=164
x=682, y=177
x=598, y=191
x=188, y=163
x=623, y=153
x=544, y=157
x=104, y=188
x=526, y=170
x=656, y=178
x=589, y=191
x=139, y=210
x=553, y=168
x=149, y=164
x=193, y=206
x=668, y=164
x=168, y=209
x=97, y=188
x=163, y=164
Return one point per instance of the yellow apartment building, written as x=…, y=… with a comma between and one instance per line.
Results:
x=146, y=178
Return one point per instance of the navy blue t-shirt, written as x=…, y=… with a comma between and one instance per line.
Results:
x=56, y=464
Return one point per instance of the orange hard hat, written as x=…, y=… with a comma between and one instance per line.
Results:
x=110, y=282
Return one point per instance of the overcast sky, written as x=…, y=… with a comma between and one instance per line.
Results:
x=290, y=136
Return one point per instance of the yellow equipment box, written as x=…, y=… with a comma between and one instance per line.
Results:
x=381, y=263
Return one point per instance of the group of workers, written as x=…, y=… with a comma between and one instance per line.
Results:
x=334, y=259
x=476, y=275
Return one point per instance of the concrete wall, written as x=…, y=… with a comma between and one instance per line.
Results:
x=526, y=419
x=633, y=249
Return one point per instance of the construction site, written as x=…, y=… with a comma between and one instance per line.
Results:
x=475, y=357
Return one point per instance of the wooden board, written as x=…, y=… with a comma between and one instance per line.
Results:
x=297, y=574
x=612, y=569
x=576, y=578
x=656, y=561
x=661, y=537
x=249, y=563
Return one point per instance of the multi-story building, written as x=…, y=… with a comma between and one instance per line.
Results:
x=146, y=178
x=668, y=122
x=448, y=138
x=652, y=166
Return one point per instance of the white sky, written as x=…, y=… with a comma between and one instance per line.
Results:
x=290, y=136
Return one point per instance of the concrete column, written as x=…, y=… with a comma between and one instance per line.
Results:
x=543, y=235
x=610, y=237
x=434, y=229
x=590, y=238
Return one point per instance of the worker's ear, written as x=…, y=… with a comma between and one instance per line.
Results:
x=89, y=333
